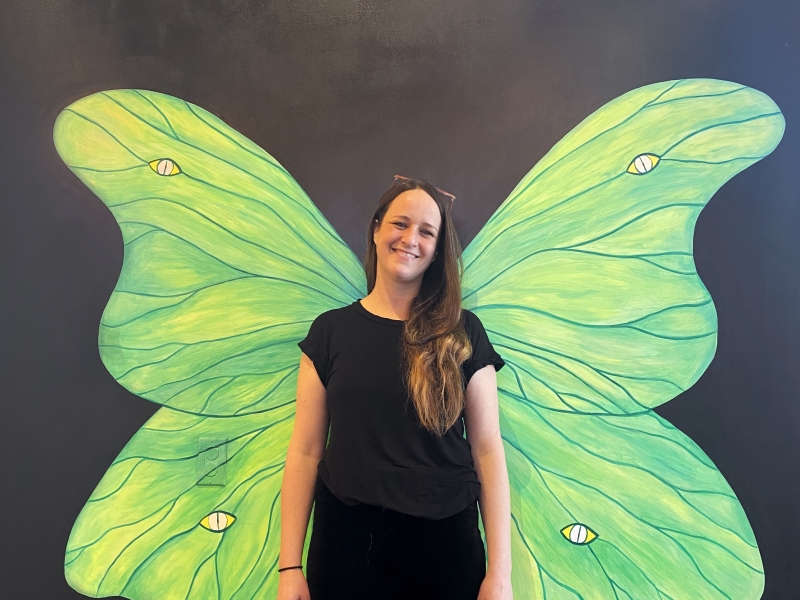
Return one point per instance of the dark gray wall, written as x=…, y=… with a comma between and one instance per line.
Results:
x=345, y=94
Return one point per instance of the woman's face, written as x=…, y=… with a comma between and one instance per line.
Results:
x=405, y=241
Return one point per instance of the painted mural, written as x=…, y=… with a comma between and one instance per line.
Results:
x=584, y=279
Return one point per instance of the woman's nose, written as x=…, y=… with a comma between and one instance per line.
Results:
x=411, y=236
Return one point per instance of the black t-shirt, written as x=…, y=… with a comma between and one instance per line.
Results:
x=378, y=453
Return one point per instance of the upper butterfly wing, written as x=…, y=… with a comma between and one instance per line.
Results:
x=227, y=261
x=585, y=281
x=585, y=274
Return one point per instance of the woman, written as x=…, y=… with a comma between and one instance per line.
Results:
x=395, y=488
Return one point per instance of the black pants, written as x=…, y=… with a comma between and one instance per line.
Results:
x=375, y=553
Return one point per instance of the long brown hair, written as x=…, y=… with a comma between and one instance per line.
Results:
x=434, y=340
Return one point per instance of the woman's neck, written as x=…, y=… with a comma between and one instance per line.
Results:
x=391, y=301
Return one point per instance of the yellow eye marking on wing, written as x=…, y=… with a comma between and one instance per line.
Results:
x=165, y=166
x=218, y=521
x=578, y=534
x=643, y=164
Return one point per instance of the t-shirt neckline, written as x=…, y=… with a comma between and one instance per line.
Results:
x=372, y=316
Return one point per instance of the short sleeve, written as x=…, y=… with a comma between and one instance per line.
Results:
x=483, y=353
x=315, y=346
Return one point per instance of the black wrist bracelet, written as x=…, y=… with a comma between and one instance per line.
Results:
x=287, y=568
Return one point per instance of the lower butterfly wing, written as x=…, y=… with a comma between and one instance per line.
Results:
x=585, y=281
x=190, y=509
x=226, y=263
x=621, y=507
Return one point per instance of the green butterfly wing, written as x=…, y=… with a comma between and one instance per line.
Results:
x=141, y=534
x=226, y=264
x=227, y=261
x=585, y=281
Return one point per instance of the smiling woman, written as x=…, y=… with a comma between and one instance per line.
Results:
x=405, y=240
x=393, y=374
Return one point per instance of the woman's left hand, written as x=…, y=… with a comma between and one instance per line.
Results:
x=496, y=586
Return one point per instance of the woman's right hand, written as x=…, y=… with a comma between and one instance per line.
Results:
x=293, y=586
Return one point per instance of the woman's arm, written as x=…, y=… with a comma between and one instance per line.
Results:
x=482, y=421
x=306, y=448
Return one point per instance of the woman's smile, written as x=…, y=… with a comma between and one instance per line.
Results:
x=404, y=254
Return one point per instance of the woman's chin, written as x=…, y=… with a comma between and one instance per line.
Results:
x=405, y=275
